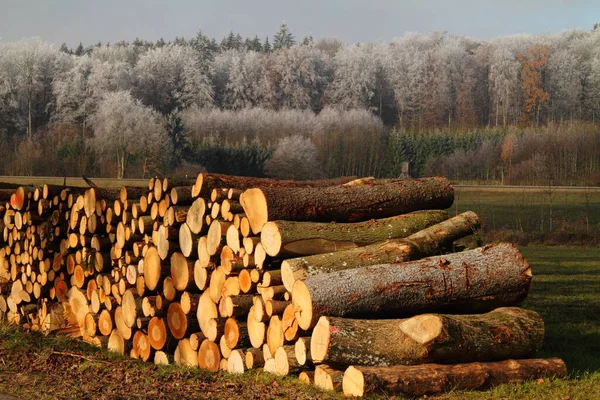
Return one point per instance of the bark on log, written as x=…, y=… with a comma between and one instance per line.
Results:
x=206, y=182
x=472, y=281
x=427, y=242
x=345, y=203
x=433, y=379
x=291, y=238
x=506, y=332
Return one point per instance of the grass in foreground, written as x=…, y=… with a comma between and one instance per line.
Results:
x=564, y=292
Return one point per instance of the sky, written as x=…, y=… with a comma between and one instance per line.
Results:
x=352, y=21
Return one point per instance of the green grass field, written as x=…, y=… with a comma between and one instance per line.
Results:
x=564, y=291
x=566, y=213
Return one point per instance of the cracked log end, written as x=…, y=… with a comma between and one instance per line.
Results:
x=302, y=303
x=319, y=340
x=254, y=203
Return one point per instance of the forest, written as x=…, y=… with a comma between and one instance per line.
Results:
x=519, y=109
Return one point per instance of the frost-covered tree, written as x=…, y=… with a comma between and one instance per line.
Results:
x=294, y=158
x=504, y=83
x=121, y=52
x=124, y=128
x=27, y=69
x=236, y=78
x=283, y=39
x=295, y=78
x=74, y=95
x=168, y=77
x=565, y=84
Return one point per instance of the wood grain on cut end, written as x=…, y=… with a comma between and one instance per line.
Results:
x=302, y=303
x=236, y=362
x=353, y=383
x=209, y=356
x=255, y=206
x=157, y=333
x=422, y=328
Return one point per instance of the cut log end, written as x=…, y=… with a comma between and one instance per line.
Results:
x=422, y=328
x=270, y=237
x=319, y=340
x=302, y=304
x=255, y=207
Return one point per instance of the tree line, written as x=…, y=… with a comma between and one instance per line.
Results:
x=471, y=109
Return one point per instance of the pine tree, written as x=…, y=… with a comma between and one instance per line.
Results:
x=307, y=40
x=267, y=46
x=65, y=49
x=79, y=51
x=283, y=39
x=179, y=139
x=253, y=44
x=205, y=48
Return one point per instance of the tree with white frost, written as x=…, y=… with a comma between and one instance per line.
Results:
x=294, y=78
x=236, y=78
x=169, y=77
x=294, y=158
x=124, y=128
x=283, y=39
x=28, y=67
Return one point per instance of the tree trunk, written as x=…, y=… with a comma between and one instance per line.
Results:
x=427, y=242
x=345, y=203
x=290, y=238
x=433, y=379
x=503, y=333
x=472, y=281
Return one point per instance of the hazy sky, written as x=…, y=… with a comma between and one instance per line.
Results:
x=89, y=21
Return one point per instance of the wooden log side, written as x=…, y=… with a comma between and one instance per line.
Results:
x=433, y=379
x=503, y=333
x=292, y=238
x=471, y=281
x=427, y=242
x=345, y=203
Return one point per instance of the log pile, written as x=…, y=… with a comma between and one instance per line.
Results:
x=350, y=284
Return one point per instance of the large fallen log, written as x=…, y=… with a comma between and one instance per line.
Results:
x=427, y=242
x=206, y=182
x=432, y=379
x=503, y=333
x=292, y=238
x=345, y=203
x=472, y=281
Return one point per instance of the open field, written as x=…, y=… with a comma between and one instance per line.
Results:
x=534, y=212
x=564, y=292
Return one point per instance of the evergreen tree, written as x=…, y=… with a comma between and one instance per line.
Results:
x=232, y=42
x=179, y=138
x=307, y=40
x=267, y=46
x=79, y=50
x=253, y=44
x=65, y=49
x=205, y=47
x=283, y=39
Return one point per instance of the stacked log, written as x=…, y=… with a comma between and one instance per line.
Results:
x=351, y=284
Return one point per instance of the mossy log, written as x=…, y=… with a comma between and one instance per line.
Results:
x=507, y=332
x=471, y=281
x=292, y=238
x=345, y=203
x=433, y=379
x=427, y=242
